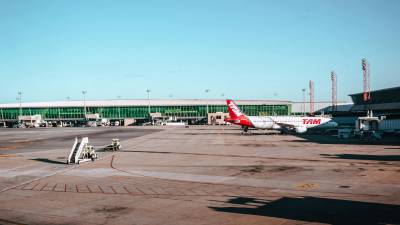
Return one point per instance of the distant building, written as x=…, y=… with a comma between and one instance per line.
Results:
x=217, y=118
x=31, y=121
x=384, y=102
x=320, y=107
x=188, y=110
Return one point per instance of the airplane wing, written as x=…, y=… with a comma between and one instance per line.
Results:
x=286, y=125
x=292, y=127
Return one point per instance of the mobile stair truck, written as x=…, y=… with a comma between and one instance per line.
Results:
x=81, y=151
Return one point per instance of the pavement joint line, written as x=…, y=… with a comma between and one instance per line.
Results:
x=34, y=186
x=126, y=189
x=90, y=191
x=41, y=189
x=23, y=188
x=100, y=189
x=170, y=194
x=113, y=189
x=140, y=190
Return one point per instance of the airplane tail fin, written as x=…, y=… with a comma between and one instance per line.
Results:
x=233, y=109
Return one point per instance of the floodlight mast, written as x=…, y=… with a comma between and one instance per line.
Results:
x=366, y=85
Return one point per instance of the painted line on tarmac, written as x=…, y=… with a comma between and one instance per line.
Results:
x=71, y=168
x=51, y=174
x=36, y=179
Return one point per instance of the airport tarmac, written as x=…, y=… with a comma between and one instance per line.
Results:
x=196, y=175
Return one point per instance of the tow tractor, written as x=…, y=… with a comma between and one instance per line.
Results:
x=115, y=145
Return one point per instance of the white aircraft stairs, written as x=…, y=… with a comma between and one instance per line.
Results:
x=81, y=151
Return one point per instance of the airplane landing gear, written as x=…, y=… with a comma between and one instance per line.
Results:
x=245, y=130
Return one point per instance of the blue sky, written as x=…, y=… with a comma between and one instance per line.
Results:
x=243, y=49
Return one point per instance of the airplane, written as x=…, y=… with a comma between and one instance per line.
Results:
x=282, y=123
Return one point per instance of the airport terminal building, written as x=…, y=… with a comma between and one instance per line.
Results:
x=383, y=102
x=187, y=110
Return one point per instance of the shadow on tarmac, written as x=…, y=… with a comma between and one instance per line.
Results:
x=319, y=210
x=330, y=139
x=190, y=153
x=48, y=161
x=363, y=157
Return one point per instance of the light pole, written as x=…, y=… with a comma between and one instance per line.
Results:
x=119, y=111
x=207, y=90
x=303, y=110
x=84, y=102
x=20, y=104
x=148, y=99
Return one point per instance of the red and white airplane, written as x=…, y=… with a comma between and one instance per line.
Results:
x=282, y=123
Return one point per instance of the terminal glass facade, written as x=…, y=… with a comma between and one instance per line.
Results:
x=112, y=112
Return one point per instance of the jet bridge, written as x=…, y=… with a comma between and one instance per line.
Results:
x=367, y=128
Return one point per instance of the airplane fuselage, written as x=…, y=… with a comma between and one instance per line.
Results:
x=274, y=122
x=299, y=124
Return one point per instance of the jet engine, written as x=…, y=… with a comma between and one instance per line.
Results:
x=276, y=127
x=300, y=129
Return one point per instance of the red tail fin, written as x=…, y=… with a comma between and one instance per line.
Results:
x=233, y=109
